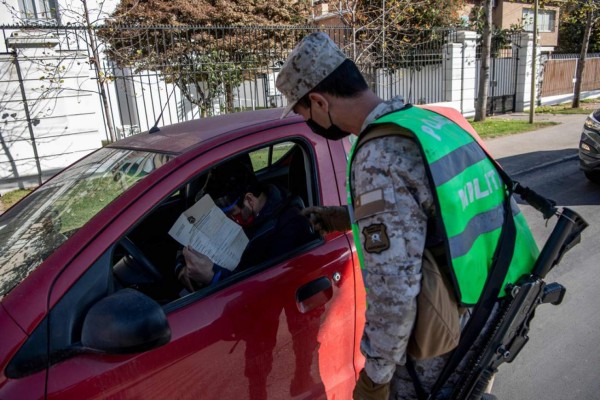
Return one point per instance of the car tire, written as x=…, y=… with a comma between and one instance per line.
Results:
x=593, y=176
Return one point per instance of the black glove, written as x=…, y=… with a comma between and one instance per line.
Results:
x=366, y=389
x=325, y=219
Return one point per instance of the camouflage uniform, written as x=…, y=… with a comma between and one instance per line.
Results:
x=388, y=177
x=393, y=236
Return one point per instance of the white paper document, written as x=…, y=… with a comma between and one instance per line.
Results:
x=206, y=229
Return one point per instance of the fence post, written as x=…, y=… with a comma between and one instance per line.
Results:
x=523, y=90
x=459, y=72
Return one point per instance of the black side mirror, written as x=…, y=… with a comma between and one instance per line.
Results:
x=125, y=322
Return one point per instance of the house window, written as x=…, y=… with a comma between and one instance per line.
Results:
x=39, y=9
x=546, y=20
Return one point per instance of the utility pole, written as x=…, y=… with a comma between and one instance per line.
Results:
x=533, y=62
x=383, y=33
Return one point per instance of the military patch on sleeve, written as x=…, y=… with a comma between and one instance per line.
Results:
x=376, y=238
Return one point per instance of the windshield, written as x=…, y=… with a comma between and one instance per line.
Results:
x=35, y=227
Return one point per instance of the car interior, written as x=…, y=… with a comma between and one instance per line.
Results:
x=145, y=258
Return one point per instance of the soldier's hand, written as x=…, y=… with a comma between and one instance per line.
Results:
x=325, y=219
x=366, y=389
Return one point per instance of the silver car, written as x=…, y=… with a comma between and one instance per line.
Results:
x=589, y=147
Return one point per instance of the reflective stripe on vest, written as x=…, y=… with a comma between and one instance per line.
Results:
x=469, y=195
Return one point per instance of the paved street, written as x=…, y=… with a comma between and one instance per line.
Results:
x=560, y=361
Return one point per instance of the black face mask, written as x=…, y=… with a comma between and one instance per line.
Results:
x=332, y=133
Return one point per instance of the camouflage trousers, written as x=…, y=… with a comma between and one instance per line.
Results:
x=401, y=385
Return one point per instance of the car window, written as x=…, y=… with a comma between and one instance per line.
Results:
x=284, y=171
x=267, y=156
x=35, y=227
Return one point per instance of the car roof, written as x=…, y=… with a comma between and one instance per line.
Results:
x=181, y=137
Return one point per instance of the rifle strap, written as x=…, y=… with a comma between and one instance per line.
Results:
x=485, y=305
x=419, y=390
x=542, y=204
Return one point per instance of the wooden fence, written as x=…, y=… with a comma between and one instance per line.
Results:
x=559, y=76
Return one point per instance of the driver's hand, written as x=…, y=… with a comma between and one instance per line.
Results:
x=199, y=268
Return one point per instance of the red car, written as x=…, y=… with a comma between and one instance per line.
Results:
x=90, y=307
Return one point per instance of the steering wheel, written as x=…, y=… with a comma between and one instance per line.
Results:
x=141, y=258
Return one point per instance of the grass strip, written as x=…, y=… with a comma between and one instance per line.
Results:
x=562, y=109
x=496, y=127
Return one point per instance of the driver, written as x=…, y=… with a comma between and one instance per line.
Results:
x=268, y=214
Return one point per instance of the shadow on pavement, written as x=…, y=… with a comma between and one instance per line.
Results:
x=518, y=164
x=555, y=175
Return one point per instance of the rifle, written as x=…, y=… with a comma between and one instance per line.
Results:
x=508, y=332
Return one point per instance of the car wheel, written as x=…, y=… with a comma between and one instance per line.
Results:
x=593, y=176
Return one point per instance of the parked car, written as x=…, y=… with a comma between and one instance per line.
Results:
x=589, y=147
x=76, y=324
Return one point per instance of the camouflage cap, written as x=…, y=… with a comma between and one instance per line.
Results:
x=311, y=61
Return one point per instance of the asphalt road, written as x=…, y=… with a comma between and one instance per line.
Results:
x=561, y=360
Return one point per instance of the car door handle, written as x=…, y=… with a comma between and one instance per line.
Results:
x=314, y=294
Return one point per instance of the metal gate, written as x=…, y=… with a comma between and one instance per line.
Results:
x=504, y=62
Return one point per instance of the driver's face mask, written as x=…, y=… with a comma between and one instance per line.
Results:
x=239, y=219
x=242, y=216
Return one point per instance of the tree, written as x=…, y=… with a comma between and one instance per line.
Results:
x=56, y=66
x=384, y=32
x=492, y=40
x=590, y=9
x=572, y=29
x=204, y=47
x=484, y=74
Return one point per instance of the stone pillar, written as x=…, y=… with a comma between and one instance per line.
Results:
x=523, y=93
x=459, y=72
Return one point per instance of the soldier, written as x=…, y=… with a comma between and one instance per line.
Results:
x=394, y=208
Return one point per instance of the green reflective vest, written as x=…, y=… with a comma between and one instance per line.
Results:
x=469, y=195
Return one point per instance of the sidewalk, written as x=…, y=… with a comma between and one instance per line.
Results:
x=539, y=148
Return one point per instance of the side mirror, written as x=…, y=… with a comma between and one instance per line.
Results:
x=125, y=322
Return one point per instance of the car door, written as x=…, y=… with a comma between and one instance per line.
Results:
x=286, y=331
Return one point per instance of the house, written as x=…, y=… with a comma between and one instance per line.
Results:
x=50, y=113
x=507, y=14
x=325, y=15
x=54, y=12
